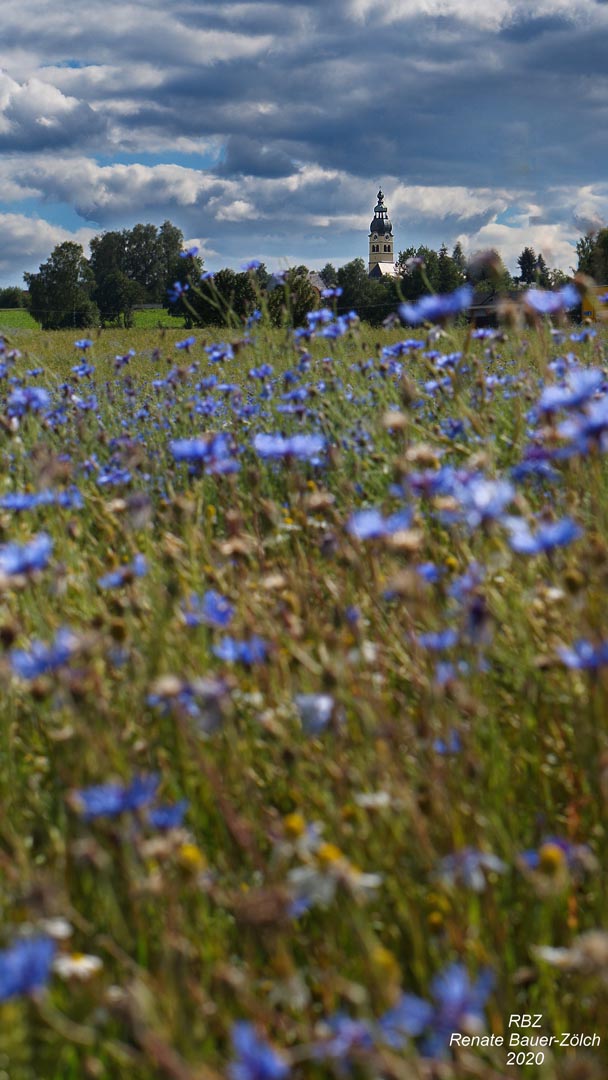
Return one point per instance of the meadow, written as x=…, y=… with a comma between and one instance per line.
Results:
x=303, y=747
x=20, y=319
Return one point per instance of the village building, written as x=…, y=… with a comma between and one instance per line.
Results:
x=594, y=304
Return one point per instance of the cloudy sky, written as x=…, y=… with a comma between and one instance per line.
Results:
x=263, y=129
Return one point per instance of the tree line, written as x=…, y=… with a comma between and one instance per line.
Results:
x=147, y=265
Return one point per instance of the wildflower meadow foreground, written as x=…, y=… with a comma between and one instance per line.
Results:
x=304, y=742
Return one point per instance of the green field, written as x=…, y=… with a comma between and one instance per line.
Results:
x=16, y=318
x=19, y=318
x=388, y=728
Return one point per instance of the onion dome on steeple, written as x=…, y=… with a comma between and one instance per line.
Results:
x=380, y=223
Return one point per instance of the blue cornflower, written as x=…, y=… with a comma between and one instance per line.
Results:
x=347, y=1037
x=438, y=640
x=25, y=967
x=253, y=264
x=122, y=361
x=215, y=452
x=587, y=428
x=409, y=1018
x=336, y=329
x=43, y=658
x=429, y=572
x=168, y=817
x=190, y=253
x=264, y=371
x=372, y=525
x=459, y=1004
x=109, y=800
x=575, y=855
x=83, y=370
x=468, y=868
x=176, y=291
x=453, y=743
x=115, y=578
x=219, y=352
x=24, y=500
x=552, y=303
x=208, y=275
x=434, y=308
x=28, y=399
x=197, y=449
x=581, y=384
x=315, y=711
x=303, y=447
x=186, y=343
x=547, y=537
x=535, y=465
x=25, y=558
x=482, y=500
x=586, y=334
x=255, y=1058
x=214, y=610
x=584, y=656
x=330, y=294
x=462, y=586
x=84, y=344
x=322, y=315
x=113, y=477
x=253, y=651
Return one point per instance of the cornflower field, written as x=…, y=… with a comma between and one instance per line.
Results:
x=303, y=748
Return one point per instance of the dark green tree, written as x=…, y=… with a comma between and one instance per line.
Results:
x=557, y=278
x=458, y=258
x=108, y=253
x=225, y=300
x=527, y=263
x=418, y=271
x=585, y=250
x=329, y=275
x=543, y=273
x=488, y=274
x=592, y=251
x=12, y=297
x=115, y=293
x=61, y=290
x=449, y=274
x=171, y=240
x=186, y=270
x=372, y=298
x=116, y=297
x=145, y=261
x=289, y=303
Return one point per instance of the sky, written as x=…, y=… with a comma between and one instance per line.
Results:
x=263, y=130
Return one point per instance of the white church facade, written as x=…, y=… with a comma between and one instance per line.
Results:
x=381, y=242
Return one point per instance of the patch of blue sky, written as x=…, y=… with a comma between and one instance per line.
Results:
x=205, y=159
x=510, y=216
x=69, y=63
x=61, y=214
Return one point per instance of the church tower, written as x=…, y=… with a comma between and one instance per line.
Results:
x=381, y=253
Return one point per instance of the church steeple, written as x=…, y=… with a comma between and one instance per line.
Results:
x=381, y=244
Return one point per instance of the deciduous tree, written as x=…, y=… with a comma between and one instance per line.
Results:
x=61, y=290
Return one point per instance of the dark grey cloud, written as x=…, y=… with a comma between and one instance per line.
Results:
x=247, y=156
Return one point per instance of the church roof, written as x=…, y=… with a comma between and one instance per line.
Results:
x=380, y=222
x=383, y=269
x=380, y=225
